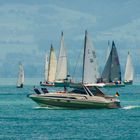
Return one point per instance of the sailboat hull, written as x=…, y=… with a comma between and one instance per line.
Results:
x=46, y=84
x=20, y=86
x=61, y=84
x=128, y=82
x=79, y=85
x=114, y=85
x=73, y=103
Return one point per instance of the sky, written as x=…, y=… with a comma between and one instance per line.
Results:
x=27, y=29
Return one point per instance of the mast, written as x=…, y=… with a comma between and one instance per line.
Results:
x=110, y=72
x=46, y=68
x=49, y=62
x=90, y=66
x=115, y=67
x=84, y=56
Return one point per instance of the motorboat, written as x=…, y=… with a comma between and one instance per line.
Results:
x=77, y=98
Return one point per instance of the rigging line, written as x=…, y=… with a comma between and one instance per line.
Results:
x=76, y=62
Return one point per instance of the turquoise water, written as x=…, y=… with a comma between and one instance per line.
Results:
x=22, y=119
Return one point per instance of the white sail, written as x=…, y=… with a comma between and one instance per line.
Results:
x=20, y=81
x=90, y=65
x=46, y=68
x=108, y=51
x=52, y=66
x=98, y=75
x=61, y=72
x=129, y=71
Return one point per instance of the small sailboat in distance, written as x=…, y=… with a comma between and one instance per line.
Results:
x=20, y=81
x=62, y=77
x=129, y=71
x=111, y=74
x=50, y=69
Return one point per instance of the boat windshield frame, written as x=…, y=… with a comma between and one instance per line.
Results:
x=92, y=91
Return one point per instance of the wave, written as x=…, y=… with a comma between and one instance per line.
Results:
x=38, y=107
x=131, y=107
x=49, y=107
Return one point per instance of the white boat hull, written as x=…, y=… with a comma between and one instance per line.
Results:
x=74, y=101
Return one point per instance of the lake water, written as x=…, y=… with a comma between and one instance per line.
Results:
x=23, y=119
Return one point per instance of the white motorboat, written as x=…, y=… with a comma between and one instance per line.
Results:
x=78, y=98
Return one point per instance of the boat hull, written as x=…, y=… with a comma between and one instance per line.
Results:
x=20, y=86
x=46, y=84
x=79, y=85
x=49, y=85
x=128, y=82
x=113, y=85
x=61, y=84
x=73, y=104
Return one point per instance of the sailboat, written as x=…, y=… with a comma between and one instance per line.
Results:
x=90, y=73
x=50, y=69
x=111, y=74
x=62, y=77
x=129, y=71
x=20, y=81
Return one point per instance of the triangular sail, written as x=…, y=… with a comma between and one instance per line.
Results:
x=129, y=71
x=20, y=75
x=61, y=73
x=52, y=66
x=90, y=65
x=112, y=70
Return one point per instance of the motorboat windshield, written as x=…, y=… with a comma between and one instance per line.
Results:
x=92, y=91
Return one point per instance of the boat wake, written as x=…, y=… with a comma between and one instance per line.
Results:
x=131, y=107
x=50, y=108
x=38, y=107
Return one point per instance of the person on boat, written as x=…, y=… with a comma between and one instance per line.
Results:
x=44, y=90
x=65, y=89
x=119, y=82
x=37, y=90
x=117, y=94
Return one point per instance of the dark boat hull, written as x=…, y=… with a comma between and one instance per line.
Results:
x=20, y=86
x=114, y=85
x=61, y=84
